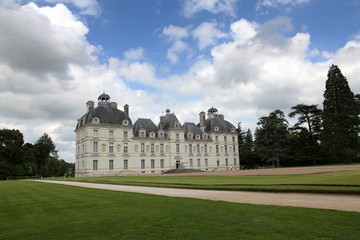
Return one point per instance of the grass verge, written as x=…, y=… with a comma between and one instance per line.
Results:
x=34, y=210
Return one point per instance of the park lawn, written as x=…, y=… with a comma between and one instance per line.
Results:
x=35, y=210
x=345, y=182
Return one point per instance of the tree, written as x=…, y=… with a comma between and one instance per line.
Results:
x=340, y=118
x=304, y=140
x=271, y=136
x=11, y=154
x=247, y=153
x=44, y=146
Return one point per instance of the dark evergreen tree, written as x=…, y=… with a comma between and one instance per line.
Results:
x=340, y=118
x=271, y=137
x=304, y=140
x=247, y=151
x=44, y=146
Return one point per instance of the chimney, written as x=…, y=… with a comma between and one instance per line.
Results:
x=89, y=106
x=221, y=116
x=113, y=105
x=161, y=123
x=202, y=120
x=126, y=109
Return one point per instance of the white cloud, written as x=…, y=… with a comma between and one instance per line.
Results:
x=175, y=36
x=191, y=7
x=87, y=7
x=134, y=54
x=207, y=34
x=279, y=3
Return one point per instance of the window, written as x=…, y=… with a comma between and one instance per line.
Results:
x=226, y=162
x=152, y=134
x=197, y=136
x=125, y=122
x=218, y=163
x=161, y=135
x=111, y=164
x=198, y=163
x=177, y=148
x=206, y=162
x=177, y=136
x=205, y=148
x=83, y=148
x=198, y=148
x=111, y=147
x=216, y=128
x=191, y=162
x=125, y=134
x=152, y=163
x=96, y=133
x=225, y=138
x=216, y=138
x=142, y=134
x=234, y=149
x=226, y=149
x=95, y=146
x=161, y=163
x=152, y=148
x=125, y=164
x=161, y=148
x=235, y=161
x=217, y=148
x=233, y=139
x=142, y=163
x=111, y=133
x=95, y=164
x=189, y=135
x=190, y=148
x=205, y=137
x=142, y=147
x=125, y=147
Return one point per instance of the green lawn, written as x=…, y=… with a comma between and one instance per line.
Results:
x=34, y=210
x=346, y=182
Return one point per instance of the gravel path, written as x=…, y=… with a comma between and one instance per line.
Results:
x=323, y=201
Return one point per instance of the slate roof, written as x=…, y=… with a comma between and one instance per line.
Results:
x=144, y=123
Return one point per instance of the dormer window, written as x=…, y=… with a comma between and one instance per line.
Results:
x=197, y=136
x=189, y=135
x=126, y=122
x=232, y=129
x=96, y=120
x=216, y=128
x=152, y=134
x=205, y=137
x=142, y=134
x=161, y=135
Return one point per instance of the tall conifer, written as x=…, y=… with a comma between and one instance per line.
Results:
x=340, y=118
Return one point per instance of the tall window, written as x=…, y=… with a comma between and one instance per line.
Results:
x=218, y=163
x=161, y=135
x=95, y=146
x=111, y=133
x=161, y=163
x=234, y=149
x=177, y=136
x=125, y=147
x=142, y=134
x=205, y=148
x=125, y=134
x=198, y=163
x=235, y=161
x=216, y=138
x=111, y=164
x=95, y=164
x=96, y=132
x=206, y=162
x=190, y=148
x=226, y=149
x=152, y=148
x=142, y=163
x=225, y=139
x=177, y=148
x=226, y=162
x=233, y=139
x=198, y=148
x=152, y=163
x=111, y=147
x=161, y=148
x=191, y=163
x=217, y=148
x=125, y=164
x=142, y=147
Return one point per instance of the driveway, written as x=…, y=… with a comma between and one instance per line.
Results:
x=322, y=201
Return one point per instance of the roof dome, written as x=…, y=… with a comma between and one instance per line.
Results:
x=212, y=110
x=107, y=115
x=190, y=127
x=104, y=97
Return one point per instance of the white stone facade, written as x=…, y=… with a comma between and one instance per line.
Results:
x=105, y=148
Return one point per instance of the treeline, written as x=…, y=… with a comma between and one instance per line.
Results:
x=320, y=136
x=19, y=159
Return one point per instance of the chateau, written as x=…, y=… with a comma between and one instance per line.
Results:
x=108, y=143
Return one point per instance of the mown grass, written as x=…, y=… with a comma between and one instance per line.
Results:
x=345, y=182
x=34, y=210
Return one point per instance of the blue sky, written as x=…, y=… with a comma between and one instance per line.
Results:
x=244, y=57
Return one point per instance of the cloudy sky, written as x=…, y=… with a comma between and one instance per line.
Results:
x=246, y=58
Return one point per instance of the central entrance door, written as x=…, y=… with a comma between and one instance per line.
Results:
x=178, y=164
